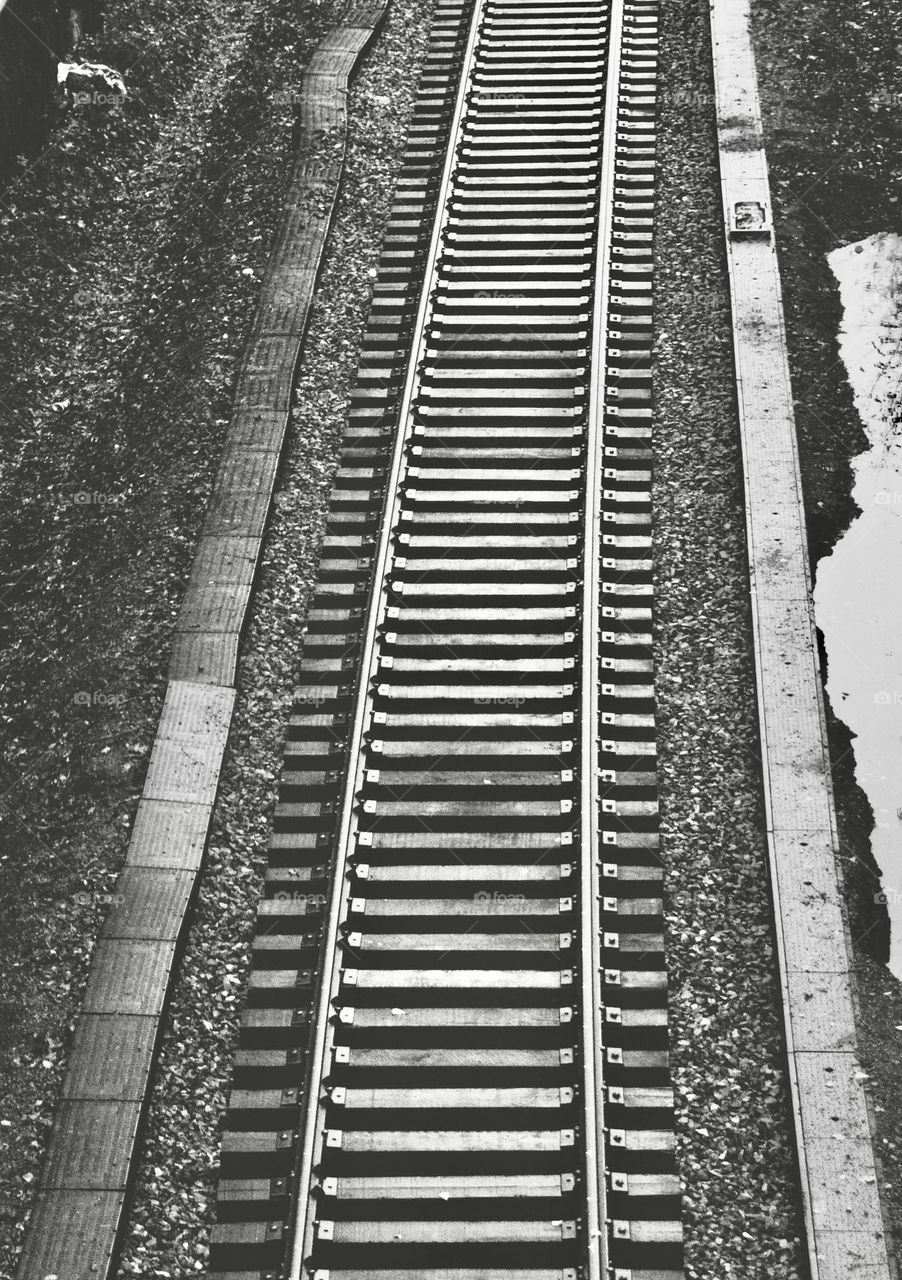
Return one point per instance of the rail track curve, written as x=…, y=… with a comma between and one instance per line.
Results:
x=487, y=1087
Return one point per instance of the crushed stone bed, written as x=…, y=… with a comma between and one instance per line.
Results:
x=735, y=1139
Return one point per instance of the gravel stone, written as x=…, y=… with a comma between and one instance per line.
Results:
x=734, y=1132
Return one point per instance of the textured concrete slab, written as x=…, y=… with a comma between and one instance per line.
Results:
x=838, y=1177
x=825, y=1015
x=187, y=753
x=262, y=429
x=149, y=903
x=91, y=1145
x=245, y=510
x=168, y=834
x=267, y=374
x=71, y=1235
x=203, y=656
x=224, y=558
x=217, y=607
x=128, y=977
x=109, y=1058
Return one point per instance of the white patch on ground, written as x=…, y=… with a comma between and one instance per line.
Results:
x=858, y=597
x=88, y=71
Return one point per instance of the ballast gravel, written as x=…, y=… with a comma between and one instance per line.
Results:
x=173, y=1210
x=733, y=1124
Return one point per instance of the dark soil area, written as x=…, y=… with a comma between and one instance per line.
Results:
x=833, y=125
x=133, y=247
x=34, y=37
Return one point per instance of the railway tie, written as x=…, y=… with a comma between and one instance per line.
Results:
x=453, y=1063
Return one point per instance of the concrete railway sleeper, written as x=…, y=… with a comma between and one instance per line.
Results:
x=453, y=1061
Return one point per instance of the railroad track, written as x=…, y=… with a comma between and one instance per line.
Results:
x=454, y=1062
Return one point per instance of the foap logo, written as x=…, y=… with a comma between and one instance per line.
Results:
x=98, y=698
x=886, y=98
x=484, y=899
x=97, y=98
x=315, y=696
x=287, y=98
x=93, y=498
x=93, y=297
x=306, y=901
x=90, y=898
x=500, y=700
x=689, y=99
x=703, y=301
x=686, y=900
x=499, y=295
x=502, y=95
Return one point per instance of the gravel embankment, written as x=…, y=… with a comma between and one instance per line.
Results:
x=133, y=247
x=741, y=1214
x=173, y=1210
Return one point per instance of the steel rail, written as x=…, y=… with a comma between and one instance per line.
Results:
x=590, y=939
x=304, y=1217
